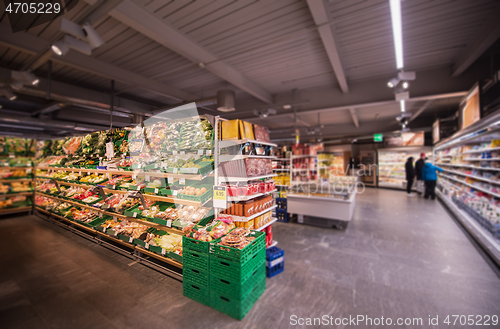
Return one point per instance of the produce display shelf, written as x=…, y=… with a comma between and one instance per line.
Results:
x=468, y=166
x=224, y=179
x=247, y=197
x=138, y=248
x=482, y=150
x=146, y=196
x=134, y=173
x=10, y=168
x=472, y=176
x=480, y=159
x=225, y=158
x=246, y=219
x=14, y=210
x=130, y=219
x=496, y=195
x=275, y=243
x=267, y=224
x=16, y=194
x=16, y=180
x=232, y=142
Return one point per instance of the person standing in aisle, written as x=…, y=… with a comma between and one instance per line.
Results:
x=410, y=175
x=429, y=176
x=418, y=173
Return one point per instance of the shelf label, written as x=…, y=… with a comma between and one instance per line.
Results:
x=200, y=152
x=209, y=152
x=170, y=180
x=174, y=152
x=115, y=218
x=130, y=240
x=183, y=152
x=182, y=181
x=163, y=251
x=134, y=215
x=100, y=215
x=156, y=165
x=110, y=150
x=146, y=246
x=156, y=191
x=174, y=193
x=175, y=170
x=220, y=197
x=146, y=178
x=116, y=233
x=169, y=223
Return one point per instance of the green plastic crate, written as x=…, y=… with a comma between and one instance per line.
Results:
x=234, y=307
x=197, y=276
x=196, y=292
x=240, y=255
x=196, y=245
x=237, y=289
x=195, y=259
x=236, y=271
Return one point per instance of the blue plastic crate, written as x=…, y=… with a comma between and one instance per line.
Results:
x=275, y=261
x=282, y=215
x=281, y=203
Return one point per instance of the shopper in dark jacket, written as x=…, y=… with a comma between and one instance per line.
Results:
x=429, y=176
x=410, y=175
x=418, y=173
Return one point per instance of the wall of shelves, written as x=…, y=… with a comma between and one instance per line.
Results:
x=16, y=185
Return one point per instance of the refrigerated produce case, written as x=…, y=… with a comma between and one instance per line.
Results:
x=470, y=182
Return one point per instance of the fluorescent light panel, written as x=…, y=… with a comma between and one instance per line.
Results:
x=397, y=31
x=403, y=106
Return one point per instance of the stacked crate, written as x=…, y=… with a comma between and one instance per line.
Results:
x=275, y=261
x=237, y=277
x=196, y=270
x=281, y=210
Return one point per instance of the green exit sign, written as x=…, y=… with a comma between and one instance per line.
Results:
x=378, y=137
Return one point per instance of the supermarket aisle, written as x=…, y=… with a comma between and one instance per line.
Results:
x=400, y=257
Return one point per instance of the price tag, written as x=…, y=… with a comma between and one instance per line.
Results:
x=175, y=170
x=134, y=176
x=137, y=188
x=114, y=187
x=169, y=223
x=209, y=152
x=100, y=215
x=163, y=251
x=139, y=166
x=156, y=191
x=146, y=245
x=146, y=178
x=134, y=215
x=163, y=165
x=80, y=173
x=182, y=152
x=110, y=150
x=174, y=193
x=174, y=152
x=130, y=239
x=103, y=229
x=156, y=165
x=170, y=180
x=116, y=233
x=182, y=181
x=200, y=152
x=107, y=175
x=220, y=197
x=114, y=218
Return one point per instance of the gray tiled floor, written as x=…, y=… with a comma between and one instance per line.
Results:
x=400, y=257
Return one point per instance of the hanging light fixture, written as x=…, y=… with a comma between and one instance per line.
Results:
x=397, y=31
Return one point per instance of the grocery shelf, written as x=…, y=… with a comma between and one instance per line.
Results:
x=17, y=194
x=282, y=159
x=303, y=156
x=480, y=159
x=130, y=219
x=224, y=179
x=496, y=195
x=226, y=158
x=482, y=150
x=485, y=239
x=247, y=197
x=246, y=219
x=281, y=169
x=16, y=180
x=467, y=166
x=14, y=168
x=232, y=142
x=273, y=244
x=146, y=196
x=273, y=220
x=134, y=173
x=111, y=238
x=472, y=176
x=15, y=210
x=281, y=185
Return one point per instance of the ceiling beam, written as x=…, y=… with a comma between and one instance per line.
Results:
x=33, y=45
x=354, y=117
x=421, y=110
x=145, y=22
x=320, y=12
x=482, y=40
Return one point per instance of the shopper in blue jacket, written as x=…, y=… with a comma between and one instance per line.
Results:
x=429, y=176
